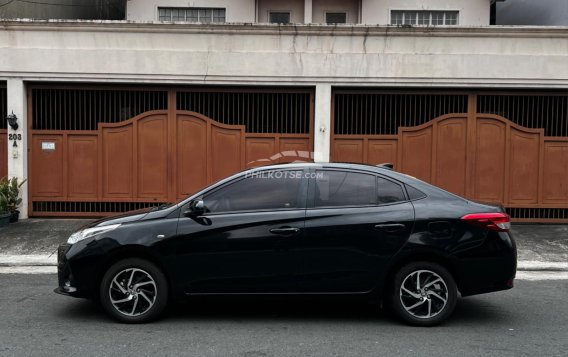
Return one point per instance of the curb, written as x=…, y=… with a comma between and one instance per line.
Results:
x=50, y=259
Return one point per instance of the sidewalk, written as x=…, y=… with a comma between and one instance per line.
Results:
x=33, y=242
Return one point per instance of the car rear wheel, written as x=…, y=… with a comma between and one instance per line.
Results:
x=424, y=294
x=134, y=291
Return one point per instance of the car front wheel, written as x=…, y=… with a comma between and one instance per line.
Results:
x=424, y=294
x=134, y=291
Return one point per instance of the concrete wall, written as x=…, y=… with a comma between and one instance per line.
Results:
x=296, y=7
x=472, y=12
x=147, y=10
x=56, y=9
x=533, y=12
x=358, y=55
x=320, y=7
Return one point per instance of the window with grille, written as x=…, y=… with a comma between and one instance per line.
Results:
x=191, y=14
x=335, y=17
x=279, y=17
x=424, y=18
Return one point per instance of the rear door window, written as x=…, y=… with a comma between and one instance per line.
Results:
x=344, y=188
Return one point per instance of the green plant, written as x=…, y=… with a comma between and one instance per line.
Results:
x=3, y=198
x=10, y=194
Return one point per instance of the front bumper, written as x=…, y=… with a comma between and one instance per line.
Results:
x=66, y=284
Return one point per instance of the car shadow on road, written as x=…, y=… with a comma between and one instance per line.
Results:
x=289, y=309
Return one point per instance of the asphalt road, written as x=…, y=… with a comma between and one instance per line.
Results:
x=530, y=320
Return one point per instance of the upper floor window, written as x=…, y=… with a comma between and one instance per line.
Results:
x=191, y=14
x=335, y=17
x=421, y=17
x=279, y=17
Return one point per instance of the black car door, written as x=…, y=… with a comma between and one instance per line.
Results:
x=354, y=222
x=241, y=245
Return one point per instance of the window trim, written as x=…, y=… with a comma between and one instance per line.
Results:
x=336, y=12
x=281, y=11
x=311, y=199
x=417, y=11
x=302, y=206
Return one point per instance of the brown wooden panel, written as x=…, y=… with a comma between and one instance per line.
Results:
x=225, y=156
x=555, y=176
x=348, y=150
x=152, y=146
x=191, y=154
x=82, y=166
x=260, y=151
x=295, y=149
x=3, y=153
x=490, y=147
x=450, y=156
x=416, y=153
x=381, y=151
x=523, y=165
x=47, y=166
x=118, y=162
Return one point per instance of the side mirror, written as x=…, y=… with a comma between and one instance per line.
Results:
x=196, y=208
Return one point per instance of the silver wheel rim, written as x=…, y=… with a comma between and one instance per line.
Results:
x=423, y=294
x=132, y=292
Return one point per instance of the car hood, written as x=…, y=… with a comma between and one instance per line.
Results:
x=127, y=217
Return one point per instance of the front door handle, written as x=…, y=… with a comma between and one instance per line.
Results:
x=285, y=231
x=391, y=227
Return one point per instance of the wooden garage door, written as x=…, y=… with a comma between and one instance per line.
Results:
x=157, y=156
x=476, y=153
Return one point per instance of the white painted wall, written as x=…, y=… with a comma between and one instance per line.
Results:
x=147, y=10
x=17, y=157
x=472, y=12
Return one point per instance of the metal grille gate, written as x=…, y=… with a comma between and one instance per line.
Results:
x=509, y=148
x=101, y=150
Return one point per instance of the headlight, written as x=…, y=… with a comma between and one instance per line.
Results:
x=89, y=232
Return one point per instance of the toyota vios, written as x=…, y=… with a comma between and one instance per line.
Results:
x=296, y=228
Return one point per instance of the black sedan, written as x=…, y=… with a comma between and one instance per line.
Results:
x=297, y=229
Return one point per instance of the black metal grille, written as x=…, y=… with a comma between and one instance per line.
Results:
x=383, y=113
x=259, y=112
x=3, y=105
x=548, y=111
x=83, y=109
x=529, y=214
x=53, y=208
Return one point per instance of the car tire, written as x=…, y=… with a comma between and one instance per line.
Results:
x=423, y=294
x=134, y=291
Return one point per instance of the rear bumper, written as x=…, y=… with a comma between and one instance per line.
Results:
x=493, y=271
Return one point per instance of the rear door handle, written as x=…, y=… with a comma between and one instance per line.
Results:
x=391, y=227
x=285, y=231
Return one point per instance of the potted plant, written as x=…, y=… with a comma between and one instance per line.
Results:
x=10, y=195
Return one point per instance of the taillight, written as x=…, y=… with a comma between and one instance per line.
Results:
x=499, y=222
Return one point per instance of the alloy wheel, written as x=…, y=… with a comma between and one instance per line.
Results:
x=132, y=292
x=423, y=294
